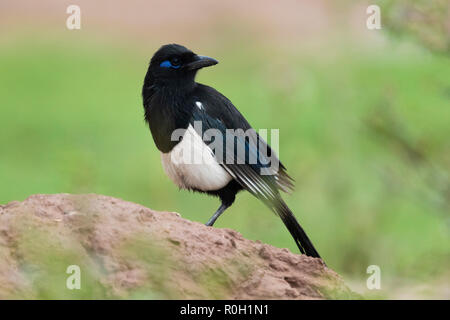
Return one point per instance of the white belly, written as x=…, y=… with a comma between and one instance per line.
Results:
x=191, y=164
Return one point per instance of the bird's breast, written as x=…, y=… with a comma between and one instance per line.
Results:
x=191, y=164
x=165, y=113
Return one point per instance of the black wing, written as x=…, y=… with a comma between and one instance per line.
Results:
x=254, y=170
x=258, y=169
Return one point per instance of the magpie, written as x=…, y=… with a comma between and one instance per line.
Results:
x=188, y=118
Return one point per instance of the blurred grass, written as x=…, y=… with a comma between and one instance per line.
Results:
x=40, y=253
x=364, y=132
x=425, y=21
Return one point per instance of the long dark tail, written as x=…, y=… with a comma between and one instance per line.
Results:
x=297, y=232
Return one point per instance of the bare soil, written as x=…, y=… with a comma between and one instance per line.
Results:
x=129, y=249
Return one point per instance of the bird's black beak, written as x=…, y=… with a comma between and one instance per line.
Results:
x=201, y=62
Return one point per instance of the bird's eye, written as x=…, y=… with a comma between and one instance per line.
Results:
x=174, y=63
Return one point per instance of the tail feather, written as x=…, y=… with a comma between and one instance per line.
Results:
x=297, y=232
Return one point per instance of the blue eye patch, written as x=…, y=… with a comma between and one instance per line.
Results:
x=168, y=64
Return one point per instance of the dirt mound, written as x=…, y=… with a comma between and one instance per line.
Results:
x=125, y=250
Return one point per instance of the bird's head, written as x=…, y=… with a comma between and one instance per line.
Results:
x=175, y=64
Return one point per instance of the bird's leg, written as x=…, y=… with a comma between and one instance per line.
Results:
x=219, y=211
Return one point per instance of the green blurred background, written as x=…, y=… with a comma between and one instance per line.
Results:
x=364, y=119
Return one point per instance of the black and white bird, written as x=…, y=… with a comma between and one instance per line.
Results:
x=173, y=101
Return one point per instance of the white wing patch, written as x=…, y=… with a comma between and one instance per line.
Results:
x=191, y=164
x=199, y=105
